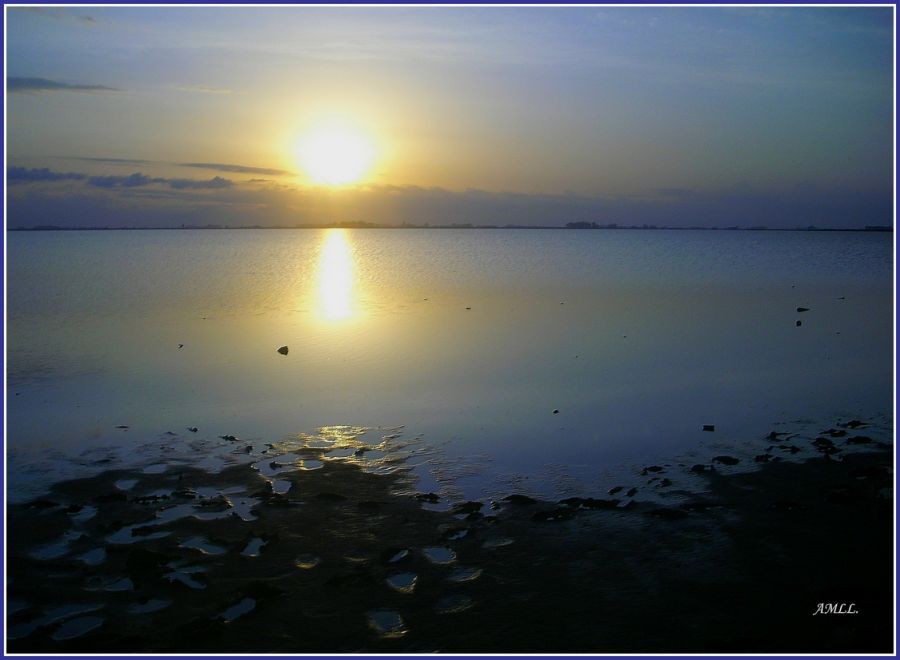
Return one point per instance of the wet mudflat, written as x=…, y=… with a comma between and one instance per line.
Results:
x=341, y=559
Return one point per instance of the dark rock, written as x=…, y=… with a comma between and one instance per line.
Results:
x=868, y=472
x=789, y=448
x=614, y=490
x=230, y=438
x=593, y=503
x=180, y=345
x=709, y=428
x=853, y=424
x=859, y=440
x=432, y=498
x=111, y=497
x=283, y=350
x=762, y=458
x=42, y=504
x=799, y=323
x=651, y=468
x=725, y=460
x=667, y=513
x=774, y=435
x=516, y=498
x=631, y=492
x=330, y=497
x=835, y=433
x=553, y=515
x=192, y=429
x=556, y=411
x=142, y=562
x=803, y=309
x=123, y=426
x=822, y=443
x=699, y=468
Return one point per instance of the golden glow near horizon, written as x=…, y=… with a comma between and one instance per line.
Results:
x=335, y=276
x=336, y=152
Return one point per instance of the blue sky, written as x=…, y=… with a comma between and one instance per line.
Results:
x=674, y=115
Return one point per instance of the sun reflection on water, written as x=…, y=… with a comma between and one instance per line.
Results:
x=335, y=276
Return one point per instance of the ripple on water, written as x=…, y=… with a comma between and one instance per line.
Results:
x=307, y=561
x=102, y=583
x=126, y=484
x=387, y=623
x=57, y=548
x=405, y=583
x=439, y=555
x=77, y=627
x=500, y=542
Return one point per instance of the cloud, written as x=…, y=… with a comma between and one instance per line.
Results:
x=58, y=14
x=31, y=85
x=131, y=181
x=216, y=183
x=237, y=168
x=24, y=174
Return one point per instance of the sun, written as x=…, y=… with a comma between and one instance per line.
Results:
x=335, y=153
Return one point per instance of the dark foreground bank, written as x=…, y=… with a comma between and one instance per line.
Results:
x=348, y=561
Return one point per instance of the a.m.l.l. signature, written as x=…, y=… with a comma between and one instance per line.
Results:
x=836, y=608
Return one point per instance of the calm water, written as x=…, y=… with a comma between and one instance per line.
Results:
x=637, y=338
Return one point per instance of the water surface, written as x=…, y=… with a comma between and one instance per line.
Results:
x=467, y=339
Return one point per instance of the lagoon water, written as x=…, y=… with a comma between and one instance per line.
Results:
x=468, y=339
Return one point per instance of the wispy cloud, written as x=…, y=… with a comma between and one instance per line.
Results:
x=58, y=14
x=204, y=89
x=32, y=85
x=135, y=180
x=118, y=161
x=221, y=167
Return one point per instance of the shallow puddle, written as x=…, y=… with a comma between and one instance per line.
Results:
x=254, y=546
x=453, y=604
x=387, y=623
x=439, y=555
x=465, y=574
x=201, y=544
x=152, y=605
x=77, y=627
x=405, y=583
x=238, y=610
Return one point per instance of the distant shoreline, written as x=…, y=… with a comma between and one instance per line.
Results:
x=869, y=228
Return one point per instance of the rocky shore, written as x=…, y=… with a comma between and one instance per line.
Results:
x=298, y=554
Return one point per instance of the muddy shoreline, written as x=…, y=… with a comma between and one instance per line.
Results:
x=350, y=561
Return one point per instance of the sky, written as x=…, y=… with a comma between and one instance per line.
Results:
x=670, y=116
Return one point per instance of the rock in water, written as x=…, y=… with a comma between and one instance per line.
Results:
x=709, y=427
x=283, y=350
x=803, y=309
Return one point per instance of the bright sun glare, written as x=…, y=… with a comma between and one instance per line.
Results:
x=335, y=153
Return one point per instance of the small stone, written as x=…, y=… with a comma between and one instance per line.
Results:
x=799, y=323
x=192, y=429
x=556, y=411
x=803, y=309
x=709, y=428
x=283, y=350
x=726, y=460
